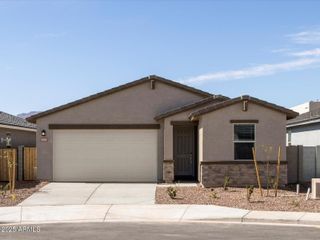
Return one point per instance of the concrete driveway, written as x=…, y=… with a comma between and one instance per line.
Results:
x=92, y=194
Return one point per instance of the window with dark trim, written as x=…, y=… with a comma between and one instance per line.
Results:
x=244, y=140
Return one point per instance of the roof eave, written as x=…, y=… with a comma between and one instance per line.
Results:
x=15, y=127
x=33, y=118
x=214, y=98
x=289, y=113
x=304, y=122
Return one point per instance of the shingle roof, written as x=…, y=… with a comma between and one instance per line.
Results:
x=305, y=117
x=11, y=120
x=205, y=101
x=290, y=114
x=119, y=88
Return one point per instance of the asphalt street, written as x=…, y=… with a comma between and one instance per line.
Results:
x=157, y=231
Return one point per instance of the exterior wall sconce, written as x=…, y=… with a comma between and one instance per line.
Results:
x=43, y=133
x=7, y=140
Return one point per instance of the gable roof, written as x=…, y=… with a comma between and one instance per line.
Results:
x=117, y=89
x=212, y=99
x=11, y=120
x=305, y=118
x=290, y=114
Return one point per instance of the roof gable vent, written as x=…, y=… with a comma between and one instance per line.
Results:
x=152, y=84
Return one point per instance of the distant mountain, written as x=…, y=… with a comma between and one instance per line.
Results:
x=26, y=115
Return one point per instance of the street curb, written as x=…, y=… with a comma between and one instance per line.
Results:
x=207, y=221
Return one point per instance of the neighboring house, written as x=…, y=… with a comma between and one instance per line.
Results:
x=154, y=129
x=306, y=107
x=21, y=131
x=305, y=128
x=303, y=140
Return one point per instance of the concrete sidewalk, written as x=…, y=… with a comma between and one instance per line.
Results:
x=147, y=213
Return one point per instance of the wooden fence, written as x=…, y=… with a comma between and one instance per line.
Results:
x=30, y=163
x=26, y=163
x=5, y=156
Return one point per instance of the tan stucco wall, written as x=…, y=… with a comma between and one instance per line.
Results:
x=216, y=141
x=138, y=104
x=19, y=137
x=168, y=130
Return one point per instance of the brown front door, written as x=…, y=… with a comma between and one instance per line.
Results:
x=184, y=152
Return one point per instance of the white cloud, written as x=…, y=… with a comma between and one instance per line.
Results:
x=308, y=53
x=306, y=37
x=303, y=59
x=260, y=70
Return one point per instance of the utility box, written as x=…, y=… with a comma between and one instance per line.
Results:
x=315, y=188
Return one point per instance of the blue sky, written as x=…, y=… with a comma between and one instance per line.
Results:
x=55, y=52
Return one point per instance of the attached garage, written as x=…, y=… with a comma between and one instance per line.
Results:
x=105, y=155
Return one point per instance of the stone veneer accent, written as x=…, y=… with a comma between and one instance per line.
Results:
x=168, y=171
x=242, y=173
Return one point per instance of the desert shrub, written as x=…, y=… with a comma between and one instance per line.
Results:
x=249, y=192
x=172, y=192
x=214, y=194
x=13, y=197
x=226, y=182
x=4, y=189
x=295, y=203
x=272, y=182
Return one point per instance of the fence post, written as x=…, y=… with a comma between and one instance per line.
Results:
x=318, y=161
x=300, y=163
x=20, y=162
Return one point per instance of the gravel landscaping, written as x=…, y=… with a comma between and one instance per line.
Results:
x=23, y=190
x=287, y=199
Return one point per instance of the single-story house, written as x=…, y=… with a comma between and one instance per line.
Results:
x=18, y=129
x=153, y=130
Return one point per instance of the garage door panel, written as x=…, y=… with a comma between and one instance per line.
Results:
x=105, y=155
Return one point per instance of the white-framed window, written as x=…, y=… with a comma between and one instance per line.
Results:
x=244, y=139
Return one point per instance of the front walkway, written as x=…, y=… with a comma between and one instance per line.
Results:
x=92, y=194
